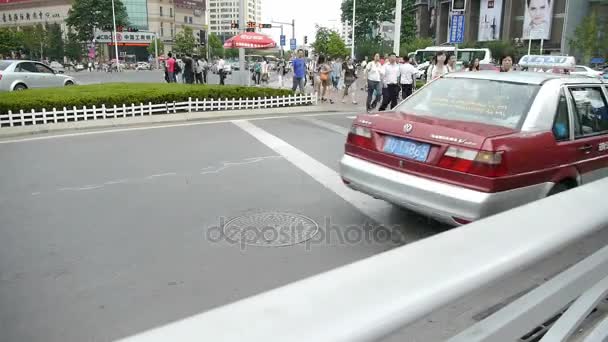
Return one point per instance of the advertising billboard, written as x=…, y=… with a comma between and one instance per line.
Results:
x=191, y=4
x=490, y=13
x=538, y=15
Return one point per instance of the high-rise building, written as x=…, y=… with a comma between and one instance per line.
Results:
x=346, y=31
x=223, y=13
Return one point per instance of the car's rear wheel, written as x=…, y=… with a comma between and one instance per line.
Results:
x=19, y=87
x=560, y=187
x=69, y=83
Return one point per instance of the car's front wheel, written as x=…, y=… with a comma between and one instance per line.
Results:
x=69, y=83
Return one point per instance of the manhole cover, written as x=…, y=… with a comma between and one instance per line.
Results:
x=271, y=229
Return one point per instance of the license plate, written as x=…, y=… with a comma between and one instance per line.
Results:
x=407, y=148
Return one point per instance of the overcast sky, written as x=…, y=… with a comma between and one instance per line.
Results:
x=306, y=14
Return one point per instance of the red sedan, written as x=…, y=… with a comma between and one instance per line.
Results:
x=470, y=145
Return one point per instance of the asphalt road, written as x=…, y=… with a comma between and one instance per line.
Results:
x=110, y=234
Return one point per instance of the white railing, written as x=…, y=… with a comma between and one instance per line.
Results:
x=73, y=114
x=372, y=298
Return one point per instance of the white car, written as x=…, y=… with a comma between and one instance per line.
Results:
x=585, y=71
x=16, y=75
x=143, y=66
x=57, y=67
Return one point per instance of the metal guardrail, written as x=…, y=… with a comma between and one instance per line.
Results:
x=370, y=299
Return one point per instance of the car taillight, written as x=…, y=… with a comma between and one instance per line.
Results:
x=482, y=163
x=360, y=136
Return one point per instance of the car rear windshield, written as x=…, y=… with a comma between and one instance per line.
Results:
x=473, y=100
x=4, y=65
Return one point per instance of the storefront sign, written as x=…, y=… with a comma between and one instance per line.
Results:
x=490, y=14
x=125, y=37
x=24, y=17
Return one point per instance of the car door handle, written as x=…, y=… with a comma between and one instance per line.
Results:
x=586, y=148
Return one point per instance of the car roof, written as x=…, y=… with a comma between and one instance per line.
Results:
x=526, y=77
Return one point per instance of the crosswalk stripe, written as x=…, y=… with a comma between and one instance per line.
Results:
x=375, y=209
x=332, y=127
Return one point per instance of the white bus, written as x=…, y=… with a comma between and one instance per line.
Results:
x=464, y=55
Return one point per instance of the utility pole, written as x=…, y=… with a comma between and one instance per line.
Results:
x=242, y=28
x=397, y=41
x=156, y=50
x=293, y=27
x=352, y=49
x=115, y=37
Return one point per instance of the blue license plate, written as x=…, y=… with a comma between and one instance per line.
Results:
x=407, y=148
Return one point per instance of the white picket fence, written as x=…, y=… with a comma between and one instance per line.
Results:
x=73, y=114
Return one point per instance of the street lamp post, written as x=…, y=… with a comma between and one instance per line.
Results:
x=115, y=37
x=397, y=36
x=352, y=49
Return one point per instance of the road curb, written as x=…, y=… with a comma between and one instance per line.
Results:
x=6, y=132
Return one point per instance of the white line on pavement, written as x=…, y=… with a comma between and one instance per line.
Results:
x=374, y=209
x=128, y=129
x=332, y=127
x=351, y=117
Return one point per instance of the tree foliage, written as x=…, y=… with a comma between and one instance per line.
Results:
x=185, y=42
x=369, y=16
x=152, y=47
x=54, y=42
x=87, y=15
x=9, y=41
x=73, y=48
x=329, y=43
x=588, y=38
x=216, y=48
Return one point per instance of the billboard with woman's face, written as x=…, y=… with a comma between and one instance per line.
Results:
x=538, y=16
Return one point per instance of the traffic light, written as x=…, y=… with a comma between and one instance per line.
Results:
x=250, y=30
x=305, y=39
x=234, y=25
x=202, y=38
x=251, y=24
x=132, y=29
x=265, y=26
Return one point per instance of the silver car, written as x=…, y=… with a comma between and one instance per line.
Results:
x=18, y=75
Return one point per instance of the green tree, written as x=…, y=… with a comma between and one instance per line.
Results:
x=9, y=41
x=185, y=43
x=329, y=43
x=215, y=45
x=370, y=14
x=73, y=47
x=54, y=42
x=587, y=38
x=152, y=47
x=85, y=16
x=415, y=44
x=33, y=41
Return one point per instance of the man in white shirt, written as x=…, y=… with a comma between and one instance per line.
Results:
x=220, y=70
x=374, y=72
x=409, y=73
x=392, y=70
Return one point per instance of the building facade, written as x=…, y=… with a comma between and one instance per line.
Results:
x=20, y=13
x=222, y=13
x=554, y=21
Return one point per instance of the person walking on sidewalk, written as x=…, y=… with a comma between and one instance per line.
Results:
x=299, y=72
x=374, y=71
x=392, y=70
x=350, y=76
x=408, y=73
x=220, y=70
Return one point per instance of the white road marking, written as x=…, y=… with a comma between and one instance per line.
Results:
x=351, y=117
x=330, y=126
x=128, y=129
x=375, y=209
